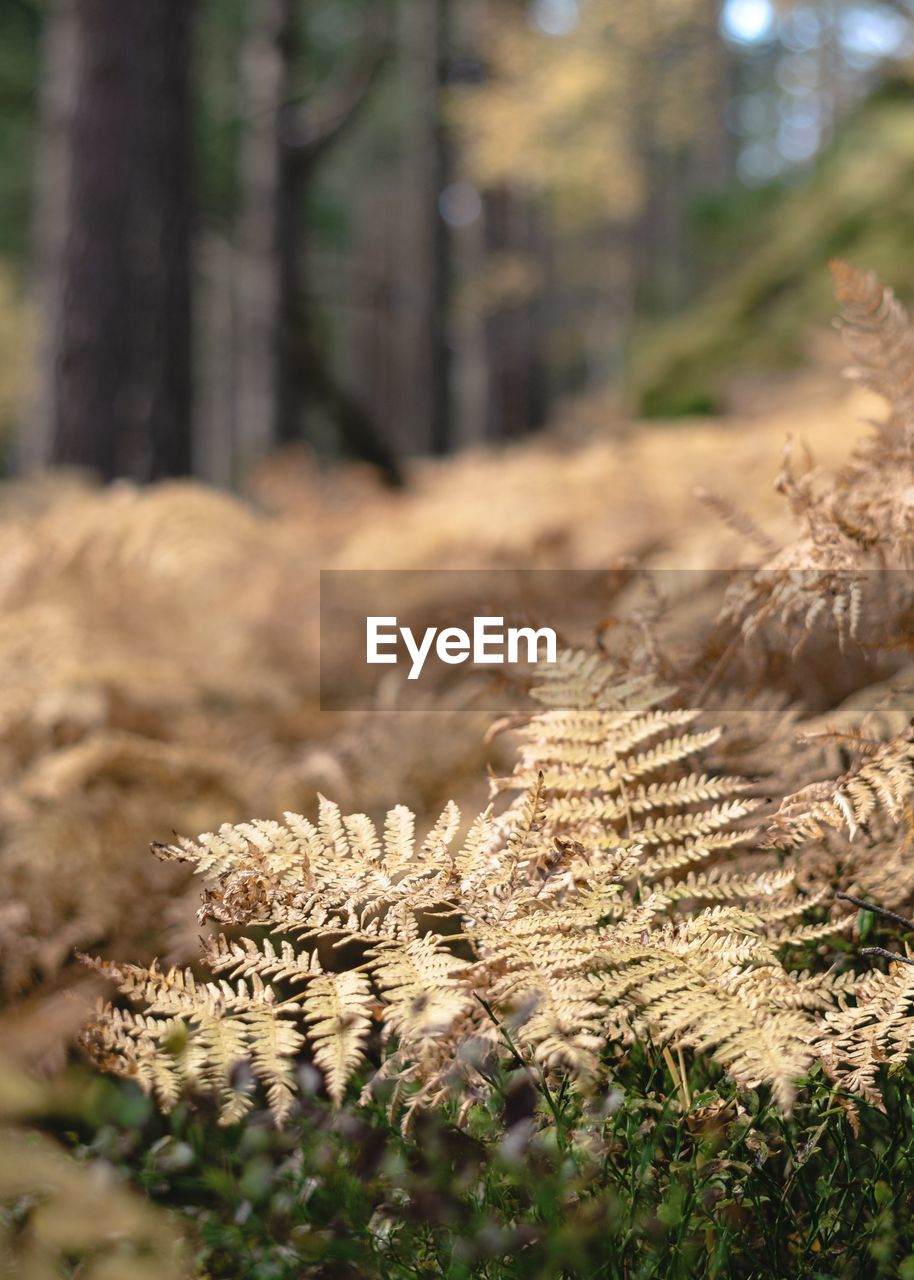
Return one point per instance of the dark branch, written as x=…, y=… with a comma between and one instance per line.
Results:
x=887, y=955
x=882, y=912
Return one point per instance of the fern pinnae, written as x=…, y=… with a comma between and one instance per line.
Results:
x=472, y=861
x=222, y=1045
x=872, y=1029
x=248, y=956
x=399, y=837
x=363, y=837
x=274, y=1045
x=580, y=739
x=331, y=828
x=878, y=331
x=722, y=886
x=338, y=1010
x=441, y=835
x=675, y=857
x=562, y=927
x=420, y=987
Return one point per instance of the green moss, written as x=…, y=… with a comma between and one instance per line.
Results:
x=766, y=258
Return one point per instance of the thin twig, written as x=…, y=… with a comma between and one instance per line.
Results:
x=515, y=1053
x=887, y=955
x=883, y=912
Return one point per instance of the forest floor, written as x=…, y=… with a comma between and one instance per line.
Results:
x=159, y=650
x=598, y=487
x=175, y=629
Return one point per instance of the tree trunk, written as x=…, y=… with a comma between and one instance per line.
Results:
x=515, y=371
x=714, y=150
x=282, y=366
x=122, y=330
x=421, y=363
x=164, y=357
x=34, y=444
x=214, y=433
x=266, y=403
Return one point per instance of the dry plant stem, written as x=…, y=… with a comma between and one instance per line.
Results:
x=719, y=669
x=678, y=1074
x=525, y=1066
x=684, y=1077
x=886, y=955
x=883, y=912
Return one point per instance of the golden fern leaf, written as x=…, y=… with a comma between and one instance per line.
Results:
x=701, y=994
x=873, y=1029
x=195, y=1033
x=550, y=913
x=883, y=780
x=878, y=332
x=338, y=1009
x=846, y=576
x=246, y=956
x=217, y=1046
x=719, y=885
x=273, y=1045
x=476, y=856
x=537, y=978
x=129, y=1044
x=615, y=762
x=275, y=849
x=420, y=988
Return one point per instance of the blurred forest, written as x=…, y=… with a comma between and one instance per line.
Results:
x=388, y=228
x=460, y=284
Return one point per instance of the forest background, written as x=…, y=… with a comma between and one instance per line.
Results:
x=396, y=228
x=434, y=284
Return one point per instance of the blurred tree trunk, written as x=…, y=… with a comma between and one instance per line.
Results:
x=56, y=107
x=165, y=362
x=266, y=396
x=421, y=395
x=120, y=324
x=514, y=326
x=215, y=405
x=714, y=150
x=281, y=363
x=676, y=174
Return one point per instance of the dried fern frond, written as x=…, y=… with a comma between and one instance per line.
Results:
x=847, y=574
x=543, y=917
x=618, y=762
x=873, y=1029
x=333, y=881
x=883, y=780
x=707, y=996
x=196, y=1034
x=879, y=334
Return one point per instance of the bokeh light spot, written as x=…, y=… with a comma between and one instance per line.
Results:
x=555, y=17
x=460, y=204
x=747, y=21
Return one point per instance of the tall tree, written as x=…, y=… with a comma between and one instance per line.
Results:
x=281, y=366
x=58, y=96
x=266, y=403
x=516, y=384
x=422, y=358
x=116, y=273
x=597, y=108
